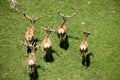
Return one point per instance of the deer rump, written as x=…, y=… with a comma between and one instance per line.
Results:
x=47, y=47
x=83, y=48
x=31, y=65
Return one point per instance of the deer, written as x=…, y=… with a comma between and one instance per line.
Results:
x=29, y=35
x=31, y=61
x=83, y=48
x=62, y=30
x=46, y=45
x=13, y=4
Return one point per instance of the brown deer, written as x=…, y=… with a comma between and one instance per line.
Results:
x=29, y=35
x=31, y=61
x=62, y=30
x=83, y=48
x=46, y=45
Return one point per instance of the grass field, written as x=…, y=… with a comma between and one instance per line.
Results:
x=101, y=17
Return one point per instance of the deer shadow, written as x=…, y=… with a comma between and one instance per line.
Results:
x=49, y=56
x=34, y=76
x=64, y=44
x=86, y=59
x=74, y=37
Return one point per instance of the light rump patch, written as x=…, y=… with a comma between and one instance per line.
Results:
x=31, y=62
x=83, y=47
x=46, y=45
x=61, y=31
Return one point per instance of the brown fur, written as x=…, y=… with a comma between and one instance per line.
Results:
x=32, y=56
x=84, y=43
x=62, y=35
x=29, y=35
x=31, y=67
x=46, y=45
x=62, y=27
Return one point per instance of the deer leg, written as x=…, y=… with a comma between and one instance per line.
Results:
x=83, y=60
x=81, y=52
x=43, y=49
x=32, y=69
x=60, y=38
x=86, y=58
x=64, y=37
x=29, y=69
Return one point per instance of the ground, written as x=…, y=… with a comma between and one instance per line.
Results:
x=101, y=17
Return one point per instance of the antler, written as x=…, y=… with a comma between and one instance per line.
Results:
x=45, y=29
x=27, y=17
x=30, y=45
x=52, y=30
x=31, y=19
x=86, y=32
x=70, y=16
x=37, y=18
x=60, y=14
x=26, y=44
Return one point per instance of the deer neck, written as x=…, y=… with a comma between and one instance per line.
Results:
x=63, y=23
x=32, y=25
x=33, y=53
x=47, y=36
x=85, y=39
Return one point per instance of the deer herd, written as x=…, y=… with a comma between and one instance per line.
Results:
x=46, y=45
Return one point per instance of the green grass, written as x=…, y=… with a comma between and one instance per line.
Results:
x=101, y=17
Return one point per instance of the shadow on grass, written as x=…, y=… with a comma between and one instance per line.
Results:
x=86, y=60
x=49, y=56
x=35, y=75
x=73, y=37
x=64, y=44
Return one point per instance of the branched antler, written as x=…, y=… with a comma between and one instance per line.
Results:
x=27, y=17
x=70, y=16
x=30, y=45
x=46, y=29
x=37, y=18
x=30, y=18
x=86, y=32
x=62, y=15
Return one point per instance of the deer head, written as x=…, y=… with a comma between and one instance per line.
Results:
x=86, y=33
x=65, y=18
